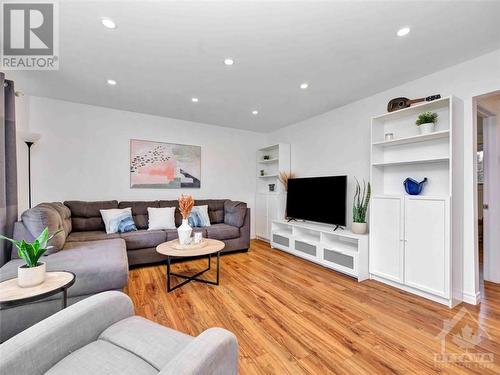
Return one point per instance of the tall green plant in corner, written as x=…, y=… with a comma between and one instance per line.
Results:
x=360, y=203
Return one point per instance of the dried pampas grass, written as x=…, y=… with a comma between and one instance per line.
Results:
x=186, y=203
x=284, y=177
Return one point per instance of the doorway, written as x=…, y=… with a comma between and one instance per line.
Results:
x=488, y=187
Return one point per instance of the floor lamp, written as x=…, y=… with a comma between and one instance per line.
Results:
x=30, y=139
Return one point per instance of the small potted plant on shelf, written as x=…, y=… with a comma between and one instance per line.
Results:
x=360, y=208
x=426, y=122
x=186, y=203
x=33, y=272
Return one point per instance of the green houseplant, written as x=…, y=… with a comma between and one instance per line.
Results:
x=360, y=207
x=33, y=272
x=426, y=122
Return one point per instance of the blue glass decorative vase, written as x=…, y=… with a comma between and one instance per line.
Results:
x=413, y=187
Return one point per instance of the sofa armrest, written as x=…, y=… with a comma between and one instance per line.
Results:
x=38, y=348
x=214, y=352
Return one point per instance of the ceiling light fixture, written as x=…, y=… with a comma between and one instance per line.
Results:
x=255, y=112
x=228, y=61
x=194, y=100
x=304, y=85
x=108, y=23
x=403, y=31
x=111, y=82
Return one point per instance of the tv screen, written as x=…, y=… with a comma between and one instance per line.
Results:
x=321, y=199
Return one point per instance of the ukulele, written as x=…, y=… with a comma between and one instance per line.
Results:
x=400, y=103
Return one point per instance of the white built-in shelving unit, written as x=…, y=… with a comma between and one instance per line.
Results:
x=415, y=241
x=270, y=205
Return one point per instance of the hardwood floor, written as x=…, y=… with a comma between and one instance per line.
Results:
x=295, y=317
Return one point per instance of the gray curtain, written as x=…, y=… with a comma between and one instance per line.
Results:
x=8, y=165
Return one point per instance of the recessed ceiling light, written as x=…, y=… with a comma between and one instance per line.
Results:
x=108, y=22
x=111, y=82
x=403, y=31
x=255, y=112
x=194, y=100
x=228, y=61
x=304, y=85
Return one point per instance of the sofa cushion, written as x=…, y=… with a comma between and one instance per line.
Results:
x=101, y=357
x=65, y=214
x=234, y=213
x=155, y=343
x=215, y=209
x=86, y=216
x=222, y=232
x=43, y=216
x=93, y=235
x=144, y=238
x=140, y=211
x=97, y=265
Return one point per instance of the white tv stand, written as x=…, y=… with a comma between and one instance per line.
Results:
x=340, y=250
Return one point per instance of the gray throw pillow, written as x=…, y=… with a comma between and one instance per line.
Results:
x=43, y=216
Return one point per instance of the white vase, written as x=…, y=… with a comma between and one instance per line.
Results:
x=30, y=276
x=184, y=232
x=427, y=128
x=359, y=228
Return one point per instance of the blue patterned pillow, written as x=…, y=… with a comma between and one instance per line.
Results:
x=199, y=217
x=126, y=225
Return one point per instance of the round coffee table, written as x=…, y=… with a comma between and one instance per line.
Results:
x=206, y=247
x=55, y=282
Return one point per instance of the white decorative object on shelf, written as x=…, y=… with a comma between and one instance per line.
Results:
x=427, y=128
x=31, y=276
x=340, y=250
x=184, y=232
x=415, y=242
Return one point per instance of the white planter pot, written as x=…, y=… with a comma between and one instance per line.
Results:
x=184, y=233
x=427, y=128
x=359, y=228
x=30, y=276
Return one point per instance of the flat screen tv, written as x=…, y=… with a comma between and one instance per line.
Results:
x=320, y=199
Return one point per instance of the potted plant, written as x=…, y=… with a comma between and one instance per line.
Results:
x=360, y=208
x=186, y=204
x=426, y=122
x=33, y=272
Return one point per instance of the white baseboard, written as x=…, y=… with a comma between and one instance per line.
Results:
x=472, y=299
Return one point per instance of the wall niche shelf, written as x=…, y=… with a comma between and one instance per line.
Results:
x=414, y=139
x=268, y=161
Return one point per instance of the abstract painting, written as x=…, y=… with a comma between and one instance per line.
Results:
x=164, y=165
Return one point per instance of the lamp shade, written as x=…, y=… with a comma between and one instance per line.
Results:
x=29, y=136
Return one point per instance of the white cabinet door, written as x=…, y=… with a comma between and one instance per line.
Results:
x=427, y=250
x=386, y=238
x=261, y=219
x=272, y=210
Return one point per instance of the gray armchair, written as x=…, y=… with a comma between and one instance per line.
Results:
x=101, y=335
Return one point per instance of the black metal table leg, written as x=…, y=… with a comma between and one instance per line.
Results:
x=65, y=298
x=194, y=277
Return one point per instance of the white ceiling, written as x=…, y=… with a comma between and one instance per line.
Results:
x=164, y=53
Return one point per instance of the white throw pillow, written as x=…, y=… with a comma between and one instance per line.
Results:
x=161, y=218
x=113, y=217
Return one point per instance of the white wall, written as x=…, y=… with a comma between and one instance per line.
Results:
x=337, y=142
x=84, y=154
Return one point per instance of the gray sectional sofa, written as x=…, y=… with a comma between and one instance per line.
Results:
x=101, y=335
x=101, y=261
